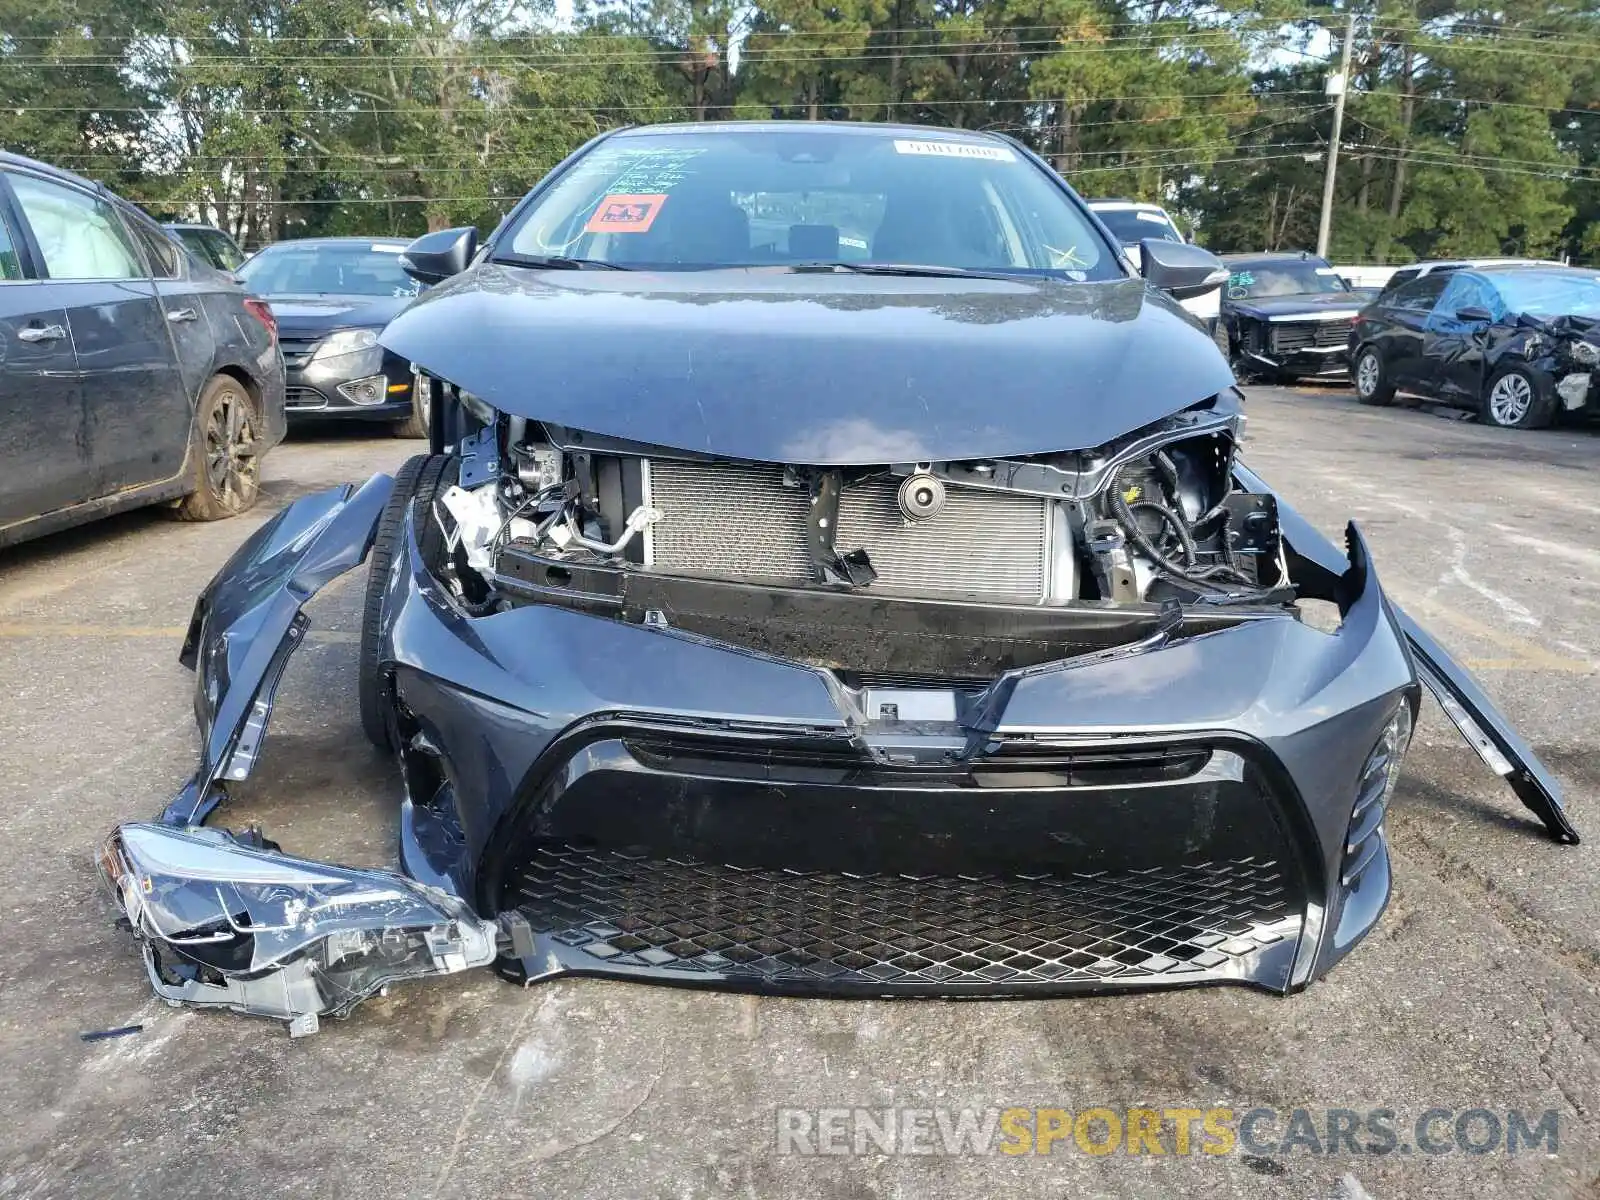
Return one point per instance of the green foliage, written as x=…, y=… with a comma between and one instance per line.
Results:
x=1467, y=130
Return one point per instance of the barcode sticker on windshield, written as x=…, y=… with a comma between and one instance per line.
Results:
x=954, y=150
x=387, y=248
x=1156, y=218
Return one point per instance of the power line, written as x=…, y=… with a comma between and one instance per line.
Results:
x=481, y=52
x=1251, y=24
x=1051, y=47
x=355, y=110
x=421, y=109
x=1568, y=175
x=387, y=163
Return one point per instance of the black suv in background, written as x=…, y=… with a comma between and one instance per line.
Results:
x=130, y=374
x=1286, y=316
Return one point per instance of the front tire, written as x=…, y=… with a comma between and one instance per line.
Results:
x=416, y=425
x=422, y=476
x=225, y=470
x=1371, y=379
x=1517, y=398
x=1224, y=343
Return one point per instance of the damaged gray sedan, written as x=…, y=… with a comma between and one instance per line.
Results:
x=833, y=574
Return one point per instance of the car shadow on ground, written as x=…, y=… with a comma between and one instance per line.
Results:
x=98, y=534
x=304, y=430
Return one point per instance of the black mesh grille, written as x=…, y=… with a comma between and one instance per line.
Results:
x=304, y=397
x=1299, y=335
x=677, y=917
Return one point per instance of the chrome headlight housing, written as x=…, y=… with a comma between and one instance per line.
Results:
x=346, y=341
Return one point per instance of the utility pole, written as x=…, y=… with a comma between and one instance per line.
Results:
x=1337, y=84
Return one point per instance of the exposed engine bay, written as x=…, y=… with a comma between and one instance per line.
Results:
x=1004, y=562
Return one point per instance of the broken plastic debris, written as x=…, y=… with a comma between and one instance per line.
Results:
x=227, y=925
x=101, y=1035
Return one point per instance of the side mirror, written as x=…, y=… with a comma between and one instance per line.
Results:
x=1181, y=268
x=437, y=256
x=1474, y=315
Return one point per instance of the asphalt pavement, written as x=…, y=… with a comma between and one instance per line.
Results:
x=1477, y=991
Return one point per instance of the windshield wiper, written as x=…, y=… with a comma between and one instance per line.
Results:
x=912, y=269
x=560, y=262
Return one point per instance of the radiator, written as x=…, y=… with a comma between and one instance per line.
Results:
x=742, y=521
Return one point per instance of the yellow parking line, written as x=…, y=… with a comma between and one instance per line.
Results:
x=1528, y=656
x=15, y=629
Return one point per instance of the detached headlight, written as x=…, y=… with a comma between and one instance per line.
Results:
x=238, y=926
x=346, y=341
x=1585, y=354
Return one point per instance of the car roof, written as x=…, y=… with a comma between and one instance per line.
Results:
x=1427, y=266
x=938, y=133
x=1273, y=256
x=1125, y=205
x=1541, y=270
x=340, y=241
x=8, y=159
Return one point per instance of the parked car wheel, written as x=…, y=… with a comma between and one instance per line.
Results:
x=416, y=425
x=225, y=463
x=1517, y=398
x=1371, y=380
x=1219, y=335
x=424, y=476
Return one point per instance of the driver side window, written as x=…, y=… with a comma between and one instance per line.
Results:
x=1465, y=291
x=79, y=235
x=1420, y=295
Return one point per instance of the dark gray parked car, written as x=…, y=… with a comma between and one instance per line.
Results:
x=129, y=373
x=332, y=297
x=833, y=574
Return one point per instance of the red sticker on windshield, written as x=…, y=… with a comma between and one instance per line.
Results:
x=626, y=214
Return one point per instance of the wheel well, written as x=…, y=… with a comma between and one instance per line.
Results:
x=245, y=381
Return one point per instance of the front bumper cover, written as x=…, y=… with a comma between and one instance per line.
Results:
x=642, y=802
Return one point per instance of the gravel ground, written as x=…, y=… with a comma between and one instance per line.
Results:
x=1478, y=990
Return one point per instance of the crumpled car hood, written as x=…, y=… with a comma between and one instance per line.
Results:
x=1311, y=304
x=820, y=369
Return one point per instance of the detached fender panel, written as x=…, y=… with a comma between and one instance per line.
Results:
x=248, y=622
x=1480, y=722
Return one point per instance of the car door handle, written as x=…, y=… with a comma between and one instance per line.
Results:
x=41, y=333
x=182, y=314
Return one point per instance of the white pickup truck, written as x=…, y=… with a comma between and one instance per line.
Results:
x=1131, y=221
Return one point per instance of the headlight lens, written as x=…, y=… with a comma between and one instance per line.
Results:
x=1585, y=354
x=347, y=341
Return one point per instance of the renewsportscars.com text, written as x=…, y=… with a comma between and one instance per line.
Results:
x=1164, y=1131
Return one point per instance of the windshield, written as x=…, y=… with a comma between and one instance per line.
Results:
x=1284, y=279
x=1133, y=225
x=749, y=198
x=1575, y=295
x=328, y=268
x=211, y=246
